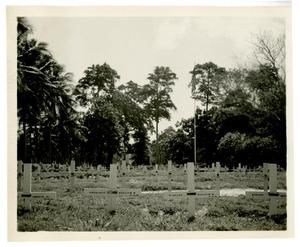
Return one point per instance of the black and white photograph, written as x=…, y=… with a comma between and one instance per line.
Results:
x=150, y=120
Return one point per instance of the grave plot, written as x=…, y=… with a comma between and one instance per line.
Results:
x=112, y=192
x=270, y=192
x=191, y=194
x=27, y=195
x=89, y=208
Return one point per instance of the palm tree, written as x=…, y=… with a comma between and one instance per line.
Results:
x=43, y=92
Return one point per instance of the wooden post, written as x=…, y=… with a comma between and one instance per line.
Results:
x=156, y=169
x=218, y=171
x=272, y=195
x=191, y=188
x=112, y=191
x=72, y=172
x=113, y=186
x=123, y=167
x=240, y=167
x=27, y=185
x=273, y=189
x=266, y=179
x=98, y=173
x=169, y=175
x=191, y=193
x=27, y=194
x=184, y=167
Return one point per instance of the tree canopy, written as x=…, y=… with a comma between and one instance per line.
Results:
x=242, y=117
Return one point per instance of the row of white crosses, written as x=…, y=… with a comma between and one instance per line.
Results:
x=270, y=189
x=270, y=171
x=72, y=172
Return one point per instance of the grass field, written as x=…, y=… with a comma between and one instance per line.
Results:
x=73, y=210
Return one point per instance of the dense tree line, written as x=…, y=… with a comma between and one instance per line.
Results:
x=243, y=117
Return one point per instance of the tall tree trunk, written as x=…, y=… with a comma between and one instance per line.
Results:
x=157, y=144
x=50, y=147
x=25, y=148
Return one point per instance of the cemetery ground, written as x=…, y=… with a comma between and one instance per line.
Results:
x=74, y=210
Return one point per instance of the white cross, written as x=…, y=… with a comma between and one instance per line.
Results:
x=27, y=194
x=156, y=169
x=98, y=173
x=271, y=182
x=112, y=191
x=170, y=175
x=184, y=167
x=191, y=193
x=213, y=166
x=123, y=167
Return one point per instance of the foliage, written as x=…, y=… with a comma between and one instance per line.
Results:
x=43, y=100
x=157, y=99
x=242, y=117
x=206, y=79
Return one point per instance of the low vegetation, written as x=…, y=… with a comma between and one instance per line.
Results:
x=73, y=210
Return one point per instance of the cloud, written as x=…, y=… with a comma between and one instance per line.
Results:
x=171, y=32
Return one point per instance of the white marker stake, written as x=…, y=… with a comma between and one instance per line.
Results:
x=169, y=175
x=98, y=173
x=266, y=179
x=273, y=195
x=113, y=186
x=123, y=168
x=27, y=185
x=240, y=167
x=72, y=172
x=27, y=194
x=156, y=169
x=191, y=188
x=273, y=189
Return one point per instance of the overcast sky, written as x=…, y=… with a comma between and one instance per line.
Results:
x=133, y=46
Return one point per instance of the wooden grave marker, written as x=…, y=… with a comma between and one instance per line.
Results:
x=244, y=170
x=184, y=167
x=213, y=167
x=156, y=169
x=170, y=180
x=123, y=167
x=112, y=191
x=191, y=193
x=27, y=194
x=270, y=182
x=98, y=171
